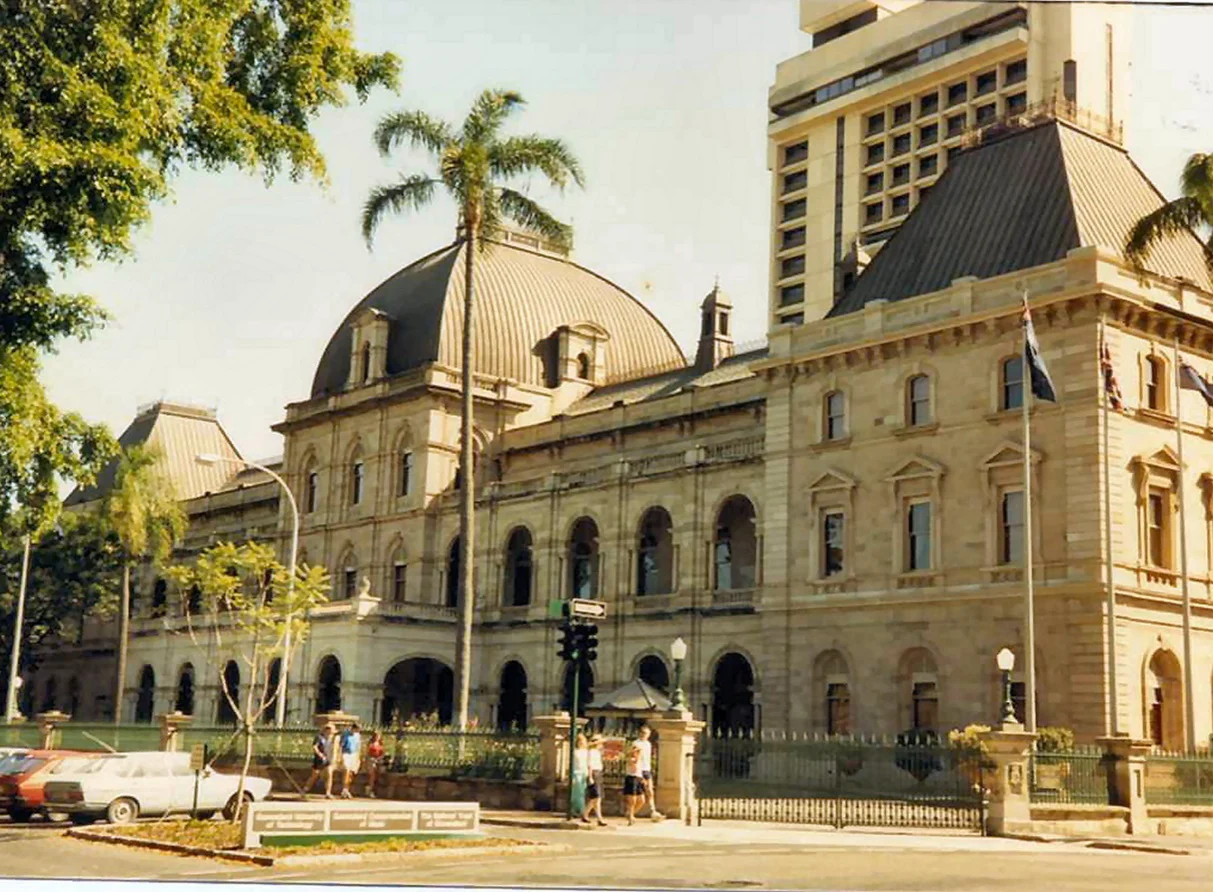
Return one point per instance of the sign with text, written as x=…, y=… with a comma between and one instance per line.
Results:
x=198, y=757
x=587, y=609
x=334, y=819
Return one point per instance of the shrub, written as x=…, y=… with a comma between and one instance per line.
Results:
x=1054, y=740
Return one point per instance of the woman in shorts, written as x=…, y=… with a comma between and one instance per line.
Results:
x=374, y=758
x=593, y=787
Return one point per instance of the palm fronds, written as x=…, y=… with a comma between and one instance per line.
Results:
x=411, y=193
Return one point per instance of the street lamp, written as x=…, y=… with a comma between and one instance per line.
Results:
x=678, y=650
x=1006, y=662
x=284, y=675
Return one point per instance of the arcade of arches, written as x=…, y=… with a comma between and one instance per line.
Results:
x=416, y=688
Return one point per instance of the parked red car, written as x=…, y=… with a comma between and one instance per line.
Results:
x=22, y=778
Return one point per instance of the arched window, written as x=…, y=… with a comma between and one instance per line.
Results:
x=733, y=695
x=328, y=685
x=735, y=551
x=185, y=690
x=1010, y=383
x=311, y=488
x=920, y=685
x=269, y=697
x=834, y=685
x=73, y=696
x=400, y=578
x=655, y=553
x=518, y=553
x=193, y=603
x=357, y=479
x=835, y=415
x=364, y=363
x=145, y=705
x=1155, y=384
x=583, y=366
x=1164, y=697
x=160, y=598
x=918, y=401
x=419, y=686
x=652, y=671
x=225, y=714
x=452, y=574
x=511, y=701
x=50, y=694
x=346, y=581
x=583, y=559
x=405, y=472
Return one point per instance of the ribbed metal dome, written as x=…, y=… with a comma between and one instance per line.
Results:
x=522, y=297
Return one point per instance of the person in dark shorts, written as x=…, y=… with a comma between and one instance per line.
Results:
x=593, y=787
x=322, y=760
x=633, y=783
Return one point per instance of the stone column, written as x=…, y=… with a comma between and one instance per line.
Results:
x=171, y=723
x=677, y=734
x=47, y=722
x=1009, y=748
x=338, y=719
x=553, y=754
x=1126, y=761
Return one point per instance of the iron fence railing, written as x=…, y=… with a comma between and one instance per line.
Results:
x=474, y=753
x=1077, y=776
x=1179, y=778
x=23, y=735
x=100, y=736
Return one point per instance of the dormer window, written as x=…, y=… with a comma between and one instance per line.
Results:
x=364, y=363
x=578, y=354
x=583, y=366
x=368, y=347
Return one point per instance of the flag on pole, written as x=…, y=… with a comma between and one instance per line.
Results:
x=1190, y=379
x=1042, y=384
x=1110, y=385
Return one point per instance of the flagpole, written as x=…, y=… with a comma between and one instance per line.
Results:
x=1112, y=724
x=1029, y=603
x=1189, y=702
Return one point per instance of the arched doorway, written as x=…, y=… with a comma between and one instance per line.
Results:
x=655, y=553
x=652, y=671
x=185, y=690
x=518, y=560
x=735, y=551
x=419, y=686
x=733, y=695
x=511, y=702
x=328, y=685
x=224, y=714
x=583, y=559
x=585, y=692
x=145, y=705
x=452, y=574
x=1165, y=701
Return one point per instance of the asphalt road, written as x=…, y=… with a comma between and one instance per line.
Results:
x=622, y=859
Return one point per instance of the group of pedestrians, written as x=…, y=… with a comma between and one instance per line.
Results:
x=334, y=753
x=637, y=779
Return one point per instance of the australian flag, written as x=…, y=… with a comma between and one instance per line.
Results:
x=1190, y=379
x=1042, y=384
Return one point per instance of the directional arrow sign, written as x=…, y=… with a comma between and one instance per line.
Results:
x=589, y=609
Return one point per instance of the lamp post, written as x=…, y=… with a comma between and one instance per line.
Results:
x=14, y=679
x=284, y=675
x=1006, y=662
x=678, y=650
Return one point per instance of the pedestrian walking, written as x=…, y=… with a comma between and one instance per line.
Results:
x=374, y=759
x=581, y=773
x=351, y=758
x=322, y=760
x=633, y=782
x=645, y=746
x=593, y=787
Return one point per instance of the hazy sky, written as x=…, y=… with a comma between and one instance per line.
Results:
x=235, y=288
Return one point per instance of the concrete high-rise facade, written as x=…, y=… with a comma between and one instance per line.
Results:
x=862, y=125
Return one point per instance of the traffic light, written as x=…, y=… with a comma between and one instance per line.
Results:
x=568, y=642
x=589, y=643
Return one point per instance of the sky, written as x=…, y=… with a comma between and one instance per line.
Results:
x=235, y=288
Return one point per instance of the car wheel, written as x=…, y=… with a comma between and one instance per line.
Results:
x=229, y=810
x=122, y=811
x=20, y=815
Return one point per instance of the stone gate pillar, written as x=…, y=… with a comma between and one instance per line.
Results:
x=553, y=754
x=47, y=723
x=677, y=734
x=171, y=724
x=1126, y=761
x=1009, y=748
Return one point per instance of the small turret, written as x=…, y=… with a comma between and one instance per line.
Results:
x=715, y=340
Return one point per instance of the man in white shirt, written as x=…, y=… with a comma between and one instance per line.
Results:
x=644, y=748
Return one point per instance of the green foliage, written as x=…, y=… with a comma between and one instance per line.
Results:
x=142, y=507
x=1054, y=740
x=969, y=738
x=101, y=102
x=1192, y=211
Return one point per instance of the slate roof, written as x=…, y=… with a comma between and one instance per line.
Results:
x=522, y=297
x=180, y=433
x=1018, y=201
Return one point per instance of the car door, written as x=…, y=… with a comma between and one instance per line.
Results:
x=216, y=789
x=181, y=783
x=148, y=782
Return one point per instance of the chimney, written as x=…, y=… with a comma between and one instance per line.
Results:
x=715, y=338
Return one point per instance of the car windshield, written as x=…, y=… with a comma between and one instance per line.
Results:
x=80, y=765
x=22, y=765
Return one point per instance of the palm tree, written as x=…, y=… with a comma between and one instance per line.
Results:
x=473, y=163
x=1192, y=211
x=141, y=508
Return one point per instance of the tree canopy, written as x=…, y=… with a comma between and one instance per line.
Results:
x=1193, y=211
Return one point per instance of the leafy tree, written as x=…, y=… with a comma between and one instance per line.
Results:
x=1192, y=211
x=474, y=161
x=74, y=572
x=142, y=510
x=245, y=601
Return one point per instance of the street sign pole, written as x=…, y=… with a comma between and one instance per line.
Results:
x=576, y=664
x=197, y=762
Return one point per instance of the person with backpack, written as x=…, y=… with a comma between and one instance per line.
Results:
x=351, y=757
x=322, y=760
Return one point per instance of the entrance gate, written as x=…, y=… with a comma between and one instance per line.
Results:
x=840, y=782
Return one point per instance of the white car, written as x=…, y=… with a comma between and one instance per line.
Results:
x=123, y=786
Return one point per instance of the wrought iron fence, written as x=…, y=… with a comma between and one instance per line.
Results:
x=1179, y=778
x=484, y=754
x=841, y=781
x=23, y=735
x=1077, y=776
x=102, y=736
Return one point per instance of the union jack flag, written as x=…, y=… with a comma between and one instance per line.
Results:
x=1110, y=385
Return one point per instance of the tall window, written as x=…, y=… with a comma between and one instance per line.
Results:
x=1011, y=383
x=832, y=545
x=1156, y=520
x=918, y=536
x=838, y=708
x=400, y=572
x=1011, y=528
x=517, y=580
x=583, y=366
x=349, y=583
x=1155, y=384
x=925, y=706
x=311, y=492
x=357, y=479
x=406, y=474
x=364, y=362
x=452, y=574
x=836, y=419
x=918, y=400
x=583, y=559
x=655, y=556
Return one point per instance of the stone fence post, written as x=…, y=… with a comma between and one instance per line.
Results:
x=1126, y=761
x=338, y=719
x=47, y=723
x=171, y=724
x=677, y=734
x=553, y=754
x=1009, y=748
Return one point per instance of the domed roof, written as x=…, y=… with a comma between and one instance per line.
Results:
x=522, y=297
